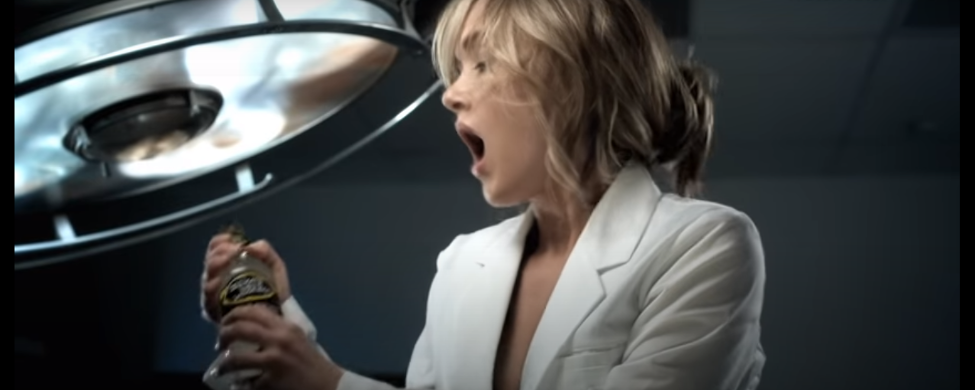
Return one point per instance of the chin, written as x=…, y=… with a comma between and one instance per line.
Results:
x=501, y=204
x=495, y=201
x=498, y=198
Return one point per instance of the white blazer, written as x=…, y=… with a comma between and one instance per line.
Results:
x=660, y=292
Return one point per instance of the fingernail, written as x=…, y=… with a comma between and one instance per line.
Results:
x=217, y=346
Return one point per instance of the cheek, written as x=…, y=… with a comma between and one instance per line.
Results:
x=516, y=138
x=524, y=133
x=534, y=149
x=523, y=150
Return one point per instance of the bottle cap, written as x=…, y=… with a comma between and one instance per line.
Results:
x=236, y=231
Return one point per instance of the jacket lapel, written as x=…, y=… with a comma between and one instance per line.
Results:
x=482, y=306
x=608, y=240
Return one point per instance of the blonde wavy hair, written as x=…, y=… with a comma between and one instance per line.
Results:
x=609, y=89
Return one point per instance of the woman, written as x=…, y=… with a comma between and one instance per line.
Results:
x=605, y=281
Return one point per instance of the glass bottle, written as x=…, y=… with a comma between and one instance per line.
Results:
x=247, y=281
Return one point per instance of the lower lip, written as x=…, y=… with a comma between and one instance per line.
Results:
x=477, y=167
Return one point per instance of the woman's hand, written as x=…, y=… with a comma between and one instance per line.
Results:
x=220, y=252
x=287, y=358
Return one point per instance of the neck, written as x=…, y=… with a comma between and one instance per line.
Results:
x=559, y=223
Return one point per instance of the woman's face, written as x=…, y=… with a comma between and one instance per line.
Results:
x=508, y=147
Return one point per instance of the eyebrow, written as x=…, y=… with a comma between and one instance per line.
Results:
x=471, y=40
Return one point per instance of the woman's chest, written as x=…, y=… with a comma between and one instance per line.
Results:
x=527, y=304
x=545, y=336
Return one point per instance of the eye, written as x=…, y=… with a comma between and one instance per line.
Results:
x=462, y=66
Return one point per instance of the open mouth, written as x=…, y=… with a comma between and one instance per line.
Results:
x=475, y=144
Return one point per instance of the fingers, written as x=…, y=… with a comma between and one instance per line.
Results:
x=257, y=324
x=220, y=252
x=212, y=289
x=246, y=359
x=263, y=251
x=217, y=240
x=256, y=313
x=263, y=382
x=249, y=332
x=219, y=257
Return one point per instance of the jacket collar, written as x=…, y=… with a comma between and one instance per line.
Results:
x=609, y=239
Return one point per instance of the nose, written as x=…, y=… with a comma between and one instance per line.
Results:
x=452, y=99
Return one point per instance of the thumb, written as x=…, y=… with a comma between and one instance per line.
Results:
x=263, y=251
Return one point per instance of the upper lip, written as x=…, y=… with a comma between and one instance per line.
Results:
x=471, y=139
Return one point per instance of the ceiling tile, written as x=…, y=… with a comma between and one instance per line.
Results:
x=781, y=90
x=915, y=91
x=790, y=18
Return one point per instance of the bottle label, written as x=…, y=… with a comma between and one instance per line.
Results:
x=246, y=288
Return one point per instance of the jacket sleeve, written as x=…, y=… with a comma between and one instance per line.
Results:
x=420, y=372
x=293, y=312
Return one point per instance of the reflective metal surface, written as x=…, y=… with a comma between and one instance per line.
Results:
x=271, y=87
x=171, y=19
x=70, y=246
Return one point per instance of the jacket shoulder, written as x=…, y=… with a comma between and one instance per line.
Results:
x=697, y=233
x=698, y=218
